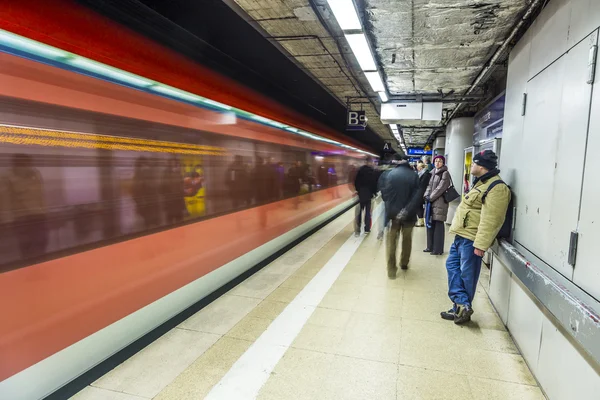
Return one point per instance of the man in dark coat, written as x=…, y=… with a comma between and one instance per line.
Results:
x=402, y=195
x=365, y=185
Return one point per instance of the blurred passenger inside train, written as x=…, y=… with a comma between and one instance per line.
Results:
x=365, y=185
x=323, y=176
x=237, y=182
x=172, y=192
x=400, y=191
x=27, y=206
x=436, y=206
x=146, y=193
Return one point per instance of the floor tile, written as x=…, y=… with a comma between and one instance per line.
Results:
x=329, y=318
x=258, y=286
x=284, y=294
x=153, y=368
x=495, y=365
x=300, y=375
x=318, y=338
x=354, y=379
x=268, y=309
x=221, y=315
x=199, y=378
x=497, y=390
x=427, y=384
x=296, y=282
x=94, y=393
x=249, y=328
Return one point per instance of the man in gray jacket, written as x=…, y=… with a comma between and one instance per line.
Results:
x=400, y=191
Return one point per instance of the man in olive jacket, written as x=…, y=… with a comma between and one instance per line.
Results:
x=476, y=224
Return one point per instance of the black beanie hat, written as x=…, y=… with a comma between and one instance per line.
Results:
x=487, y=159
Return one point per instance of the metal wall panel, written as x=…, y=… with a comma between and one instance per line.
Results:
x=563, y=371
x=525, y=323
x=587, y=273
x=585, y=18
x=536, y=162
x=550, y=34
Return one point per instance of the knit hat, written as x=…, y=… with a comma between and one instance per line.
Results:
x=487, y=159
x=442, y=157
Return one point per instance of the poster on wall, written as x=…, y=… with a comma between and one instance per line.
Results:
x=489, y=121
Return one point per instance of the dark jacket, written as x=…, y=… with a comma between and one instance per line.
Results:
x=439, y=182
x=400, y=191
x=366, y=183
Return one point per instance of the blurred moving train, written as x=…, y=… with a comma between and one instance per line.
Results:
x=121, y=207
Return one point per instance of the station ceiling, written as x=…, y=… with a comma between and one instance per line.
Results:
x=425, y=49
x=295, y=52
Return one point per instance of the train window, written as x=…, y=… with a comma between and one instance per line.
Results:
x=71, y=179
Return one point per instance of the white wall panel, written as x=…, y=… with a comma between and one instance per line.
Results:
x=499, y=291
x=568, y=170
x=550, y=35
x=563, y=371
x=512, y=137
x=585, y=18
x=587, y=270
x=525, y=324
x=536, y=163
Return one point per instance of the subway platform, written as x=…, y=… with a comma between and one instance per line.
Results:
x=323, y=321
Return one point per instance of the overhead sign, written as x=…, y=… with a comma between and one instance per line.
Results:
x=418, y=151
x=356, y=121
x=489, y=122
x=387, y=148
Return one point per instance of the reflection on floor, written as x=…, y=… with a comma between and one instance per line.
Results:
x=369, y=337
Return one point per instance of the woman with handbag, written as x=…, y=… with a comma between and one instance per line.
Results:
x=439, y=183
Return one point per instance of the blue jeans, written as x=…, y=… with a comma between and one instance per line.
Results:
x=463, y=268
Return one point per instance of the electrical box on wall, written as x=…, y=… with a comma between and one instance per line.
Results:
x=404, y=113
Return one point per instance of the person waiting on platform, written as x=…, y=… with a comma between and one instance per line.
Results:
x=400, y=191
x=476, y=223
x=365, y=185
x=436, y=206
x=424, y=177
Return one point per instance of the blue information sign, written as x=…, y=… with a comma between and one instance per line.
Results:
x=418, y=151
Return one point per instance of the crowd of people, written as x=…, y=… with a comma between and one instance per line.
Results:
x=416, y=197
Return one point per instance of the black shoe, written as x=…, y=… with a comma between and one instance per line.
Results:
x=427, y=251
x=436, y=254
x=392, y=273
x=404, y=267
x=463, y=314
x=448, y=315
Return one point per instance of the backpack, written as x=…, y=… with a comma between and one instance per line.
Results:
x=506, y=229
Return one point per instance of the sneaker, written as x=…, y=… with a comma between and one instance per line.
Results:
x=380, y=236
x=463, y=314
x=367, y=232
x=449, y=315
x=392, y=273
x=427, y=251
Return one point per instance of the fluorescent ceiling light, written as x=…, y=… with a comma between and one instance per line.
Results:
x=31, y=46
x=110, y=72
x=360, y=47
x=383, y=96
x=345, y=14
x=169, y=91
x=375, y=81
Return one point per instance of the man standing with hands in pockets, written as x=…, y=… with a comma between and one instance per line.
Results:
x=476, y=223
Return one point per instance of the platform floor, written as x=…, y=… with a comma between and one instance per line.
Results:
x=324, y=322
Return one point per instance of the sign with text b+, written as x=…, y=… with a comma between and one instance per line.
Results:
x=356, y=121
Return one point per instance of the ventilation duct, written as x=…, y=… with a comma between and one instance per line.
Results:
x=411, y=113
